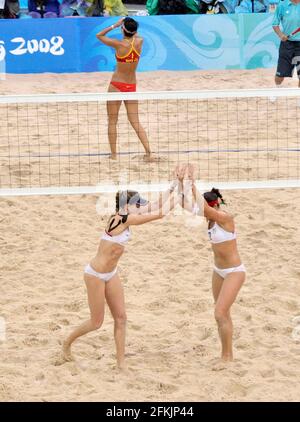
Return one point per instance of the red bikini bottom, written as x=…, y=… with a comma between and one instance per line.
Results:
x=123, y=87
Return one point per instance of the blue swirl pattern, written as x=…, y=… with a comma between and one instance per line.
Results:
x=188, y=42
x=193, y=42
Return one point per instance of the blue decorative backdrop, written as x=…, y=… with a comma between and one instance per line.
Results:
x=188, y=42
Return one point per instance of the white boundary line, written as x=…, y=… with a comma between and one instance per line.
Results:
x=158, y=187
x=154, y=95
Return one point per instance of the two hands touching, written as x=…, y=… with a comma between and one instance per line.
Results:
x=184, y=180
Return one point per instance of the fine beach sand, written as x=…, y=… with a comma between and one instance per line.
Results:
x=172, y=341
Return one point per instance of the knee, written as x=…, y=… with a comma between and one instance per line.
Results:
x=278, y=81
x=112, y=121
x=112, y=117
x=221, y=316
x=120, y=320
x=96, y=322
x=133, y=119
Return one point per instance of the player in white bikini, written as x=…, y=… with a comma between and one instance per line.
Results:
x=100, y=275
x=228, y=272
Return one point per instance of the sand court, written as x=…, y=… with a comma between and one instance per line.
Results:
x=172, y=340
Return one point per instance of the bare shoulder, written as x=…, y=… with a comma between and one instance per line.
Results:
x=227, y=221
x=223, y=218
x=139, y=39
x=227, y=216
x=123, y=43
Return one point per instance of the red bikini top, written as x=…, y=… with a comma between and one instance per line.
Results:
x=131, y=57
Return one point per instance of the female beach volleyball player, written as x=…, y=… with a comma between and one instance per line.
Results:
x=228, y=272
x=101, y=277
x=127, y=52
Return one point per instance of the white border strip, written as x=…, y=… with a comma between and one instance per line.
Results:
x=81, y=190
x=159, y=95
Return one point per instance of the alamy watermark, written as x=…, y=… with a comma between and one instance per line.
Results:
x=165, y=195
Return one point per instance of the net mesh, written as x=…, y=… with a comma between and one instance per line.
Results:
x=62, y=141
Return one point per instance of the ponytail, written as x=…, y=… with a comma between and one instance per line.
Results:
x=219, y=195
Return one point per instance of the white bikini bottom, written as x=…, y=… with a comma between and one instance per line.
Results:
x=223, y=272
x=102, y=276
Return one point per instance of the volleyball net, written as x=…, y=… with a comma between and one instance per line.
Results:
x=59, y=144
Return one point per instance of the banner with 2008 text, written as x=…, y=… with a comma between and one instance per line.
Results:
x=189, y=42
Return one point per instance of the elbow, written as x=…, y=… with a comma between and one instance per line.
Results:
x=160, y=214
x=207, y=213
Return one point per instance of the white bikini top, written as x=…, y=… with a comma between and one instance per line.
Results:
x=121, y=238
x=217, y=234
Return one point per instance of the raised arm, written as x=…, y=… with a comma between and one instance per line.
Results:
x=164, y=197
x=186, y=199
x=198, y=200
x=111, y=42
x=185, y=195
x=137, y=219
x=210, y=213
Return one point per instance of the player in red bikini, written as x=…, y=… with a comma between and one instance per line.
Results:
x=128, y=51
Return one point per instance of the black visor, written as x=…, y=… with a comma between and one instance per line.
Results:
x=137, y=200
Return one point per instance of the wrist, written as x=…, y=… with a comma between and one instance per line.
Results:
x=187, y=186
x=112, y=26
x=173, y=186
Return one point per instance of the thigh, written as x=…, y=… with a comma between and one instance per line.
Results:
x=217, y=282
x=113, y=108
x=112, y=88
x=132, y=107
x=96, y=294
x=230, y=287
x=114, y=294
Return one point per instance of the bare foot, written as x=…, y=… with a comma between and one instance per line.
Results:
x=227, y=358
x=66, y=349
x=150, y=158
x=113, y=157
x=219, y=364
x=120, y=368
x=121, y=365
